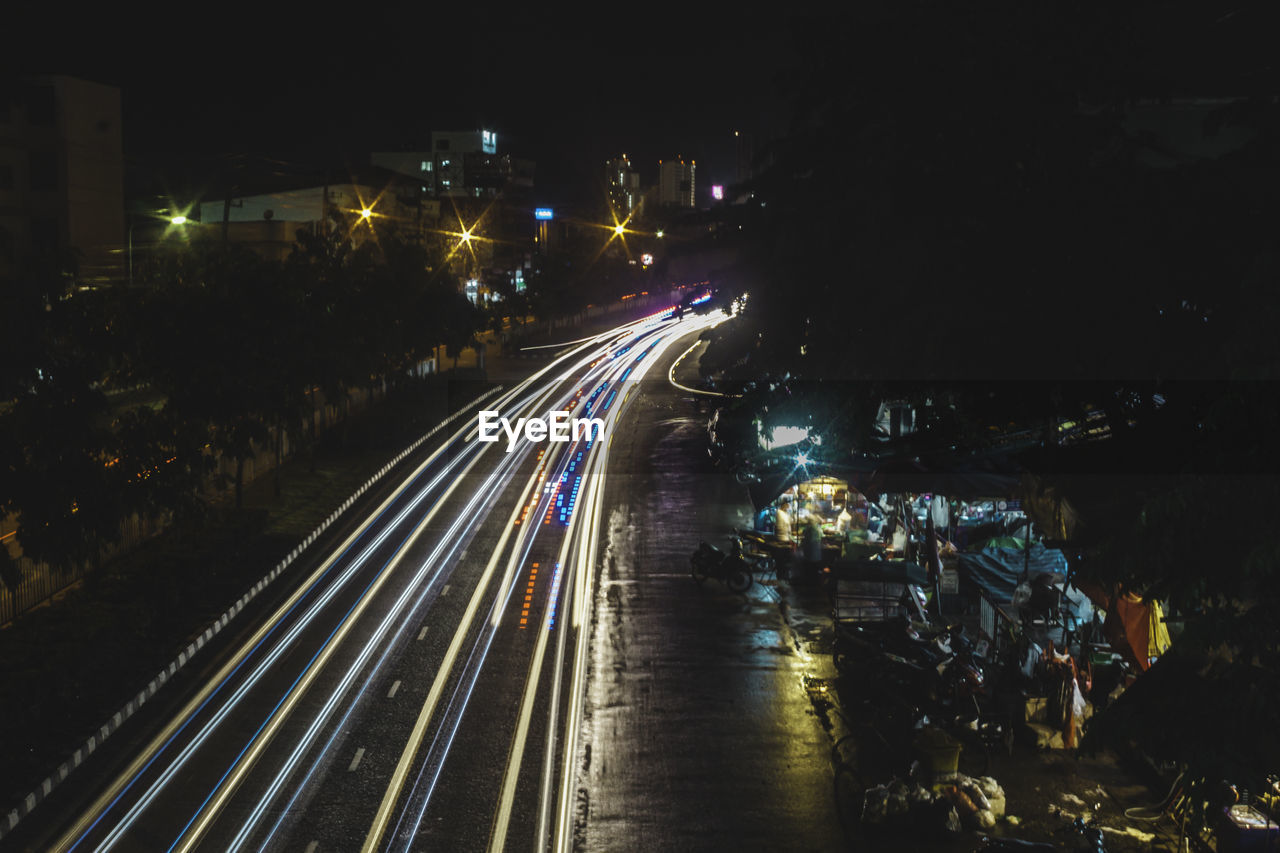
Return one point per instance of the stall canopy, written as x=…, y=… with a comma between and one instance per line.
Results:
x=997, y=570
x=946, y=474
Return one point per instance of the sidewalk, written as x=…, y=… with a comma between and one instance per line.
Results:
x=714, y=717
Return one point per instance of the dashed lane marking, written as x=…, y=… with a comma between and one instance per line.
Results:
x=355, y=762
x=423, y=633
x=391, y=694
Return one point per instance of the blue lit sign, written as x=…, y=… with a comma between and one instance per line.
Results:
x=543, y=213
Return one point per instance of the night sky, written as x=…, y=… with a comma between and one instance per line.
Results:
x=567, y=93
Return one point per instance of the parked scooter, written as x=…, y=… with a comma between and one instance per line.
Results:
x=937, y=666
x=710, y=562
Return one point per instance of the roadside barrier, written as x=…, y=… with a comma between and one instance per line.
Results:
x=81, y=755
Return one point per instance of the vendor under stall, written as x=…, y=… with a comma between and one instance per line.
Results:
x=816, y=522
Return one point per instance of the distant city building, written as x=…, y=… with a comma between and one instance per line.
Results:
x=676, y=183
x=418, y=165
x=623, y=185
x=62, y=174
x=461, y=163
x=269, y=223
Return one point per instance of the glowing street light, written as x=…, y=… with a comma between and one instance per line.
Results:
x=366, y=214
x=156, y=216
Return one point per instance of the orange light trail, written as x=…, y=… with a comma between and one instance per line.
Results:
x=528, y=597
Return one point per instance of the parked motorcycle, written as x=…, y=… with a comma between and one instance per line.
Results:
x=936, y=673
x=935, y=666
x=710, y=562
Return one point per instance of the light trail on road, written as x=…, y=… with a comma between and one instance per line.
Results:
x=237, y=767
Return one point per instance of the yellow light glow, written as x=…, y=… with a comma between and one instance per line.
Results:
x=366, y=213
x=618, y=229
x=178, y=220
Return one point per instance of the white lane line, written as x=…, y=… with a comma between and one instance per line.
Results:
x=423, y=632
x=391, y=694
x=313, y=847
x=502, y=819
x=393, y=614
x=355, y=762
x=380, y=820
x=231, y=782
x=463, y=555
x=69, y=839
x=444, y=591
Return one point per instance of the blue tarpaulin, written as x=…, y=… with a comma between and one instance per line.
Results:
x=997, y=570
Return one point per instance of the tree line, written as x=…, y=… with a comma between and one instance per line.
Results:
x=222, y=348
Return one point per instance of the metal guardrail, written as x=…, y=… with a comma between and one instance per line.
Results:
x=994, y=623
x=28, y=804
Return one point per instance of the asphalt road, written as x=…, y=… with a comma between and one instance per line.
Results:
x=425, y=686
x=702, y=733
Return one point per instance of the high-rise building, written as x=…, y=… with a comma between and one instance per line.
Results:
x=62, y=173
x=461, y=163
x=623, y=185
x=676, y=183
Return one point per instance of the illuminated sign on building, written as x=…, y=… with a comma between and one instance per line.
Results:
x=488, y=142
x=717, y=192
x=543, y=213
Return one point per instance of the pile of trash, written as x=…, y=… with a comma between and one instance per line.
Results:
x=960, y=803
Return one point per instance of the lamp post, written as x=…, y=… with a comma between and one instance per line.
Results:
x=172, y=219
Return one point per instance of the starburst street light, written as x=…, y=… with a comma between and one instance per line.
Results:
x=173, y=219
x=467, y=234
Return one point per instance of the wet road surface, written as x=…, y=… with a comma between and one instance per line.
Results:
x=508, y=651
x=700, y=734
x=423, y=686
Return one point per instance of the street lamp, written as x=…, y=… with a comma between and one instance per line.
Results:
x=172, y=219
